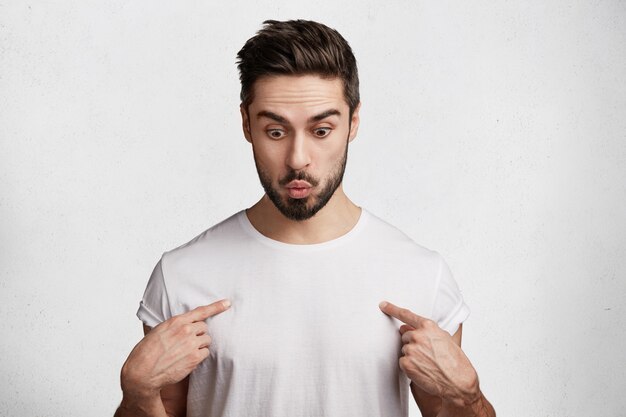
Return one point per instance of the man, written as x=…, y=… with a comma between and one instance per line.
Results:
x=275, y=310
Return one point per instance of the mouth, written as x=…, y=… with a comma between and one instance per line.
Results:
x=298, y=184
x=298, y=189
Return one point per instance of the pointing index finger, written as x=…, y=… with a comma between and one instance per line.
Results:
x=402, y=314
x=204, y=312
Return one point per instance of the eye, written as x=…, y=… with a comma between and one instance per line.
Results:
x=276, y=133
x=322, y=132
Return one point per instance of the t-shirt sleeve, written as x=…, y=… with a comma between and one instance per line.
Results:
x=449, y=308
x=154, y=307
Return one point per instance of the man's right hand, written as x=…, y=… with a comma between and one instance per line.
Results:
x=169, y=352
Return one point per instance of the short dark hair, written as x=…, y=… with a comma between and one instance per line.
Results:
x=297, y=47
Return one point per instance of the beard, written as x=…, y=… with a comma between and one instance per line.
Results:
x=299, y=209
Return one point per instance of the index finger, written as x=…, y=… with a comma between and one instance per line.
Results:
x=204, y=312
x=402, y=314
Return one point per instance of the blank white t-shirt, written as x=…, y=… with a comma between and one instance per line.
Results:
x=304, y=335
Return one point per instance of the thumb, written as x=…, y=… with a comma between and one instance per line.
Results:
x=405, y=328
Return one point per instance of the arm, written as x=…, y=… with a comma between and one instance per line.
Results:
x=434, y=406
x=141, y=407
x=479, y=407
x=172, y=402
x=443, y=380
x=154, y=377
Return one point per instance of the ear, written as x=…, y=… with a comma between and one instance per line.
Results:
x=354, y=126
x=245, y=123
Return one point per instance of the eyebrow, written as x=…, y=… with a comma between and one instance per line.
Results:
x=323, y=115
x=271, y=115
x=281, y=119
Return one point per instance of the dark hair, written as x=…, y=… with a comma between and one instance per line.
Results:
x=297, y=47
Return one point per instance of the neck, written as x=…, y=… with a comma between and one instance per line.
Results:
x=335, y=219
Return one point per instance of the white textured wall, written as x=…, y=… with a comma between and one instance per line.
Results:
x=494, y=133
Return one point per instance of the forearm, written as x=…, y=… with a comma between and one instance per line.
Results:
x=479, y=408
x=144, y=407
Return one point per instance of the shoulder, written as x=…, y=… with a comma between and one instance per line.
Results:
x=225, y=232
x=384, y=233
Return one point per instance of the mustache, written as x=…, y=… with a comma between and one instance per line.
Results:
x=300, y=176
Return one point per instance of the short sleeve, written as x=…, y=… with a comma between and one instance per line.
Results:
x=449, y=308
x=154, y=307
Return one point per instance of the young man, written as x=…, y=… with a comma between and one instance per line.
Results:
x=275, y=310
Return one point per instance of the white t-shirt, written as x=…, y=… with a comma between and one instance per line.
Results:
x=304, y=335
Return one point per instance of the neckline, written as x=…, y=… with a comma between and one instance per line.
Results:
x=252, y=231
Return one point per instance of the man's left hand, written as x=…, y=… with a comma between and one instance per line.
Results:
x=432, y=360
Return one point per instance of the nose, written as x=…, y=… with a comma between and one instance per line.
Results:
x=298, y=156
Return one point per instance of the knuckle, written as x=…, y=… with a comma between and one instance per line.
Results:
x=204, y=341
x=201, y=354
x=402, y=362
x=430, y=324
x=175, y=321
x=186, y=329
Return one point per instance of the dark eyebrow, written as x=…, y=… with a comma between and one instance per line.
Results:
x=281, y=119
x=273, y=116
x=322, y=116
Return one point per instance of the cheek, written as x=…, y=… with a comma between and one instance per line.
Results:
x=331, y=148
x=268, y=156
x=337, y=154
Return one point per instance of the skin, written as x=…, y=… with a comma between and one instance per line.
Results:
x=443, y=381
x=164, y=358
x=297, y=145
x=299, y=128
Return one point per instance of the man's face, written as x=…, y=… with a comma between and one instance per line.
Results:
x=299, y=128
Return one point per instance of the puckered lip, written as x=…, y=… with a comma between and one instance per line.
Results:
x=298, y=184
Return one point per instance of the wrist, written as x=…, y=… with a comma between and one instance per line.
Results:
x=142, y=404
x=134, y=387
x=462, y=402
x=139, y=395
x=464, y=396
x=477, y=408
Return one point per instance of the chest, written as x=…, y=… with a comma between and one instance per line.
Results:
x=305, y=326
x=310, y=316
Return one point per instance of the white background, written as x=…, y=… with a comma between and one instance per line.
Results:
x=494, y=133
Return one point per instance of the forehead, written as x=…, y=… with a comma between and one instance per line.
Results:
x=286, y=93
